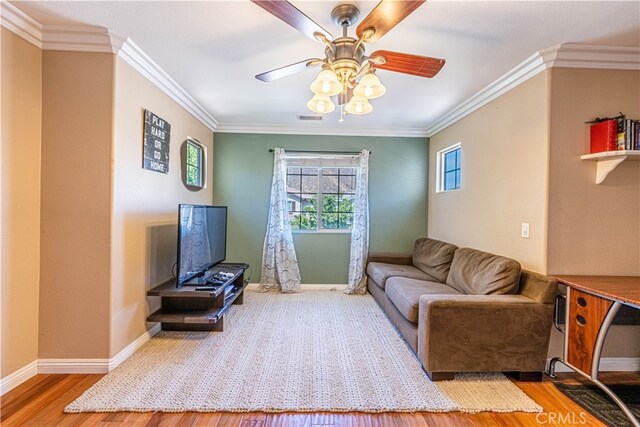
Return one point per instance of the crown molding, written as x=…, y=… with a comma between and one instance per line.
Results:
x=21, y=24
x=133, y=55
x=567, y=55
x=521, y=73
x=306, y=129
x=80, y=38
x=575, y=55
x=88, y=38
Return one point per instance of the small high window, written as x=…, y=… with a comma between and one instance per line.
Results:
x=448, y=168
x=193, y=164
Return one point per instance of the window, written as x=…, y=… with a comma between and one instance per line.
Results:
x=334, y=187
x=194, y=164
x=448, y=167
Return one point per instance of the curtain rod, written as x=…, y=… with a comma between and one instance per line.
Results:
x=271, y=150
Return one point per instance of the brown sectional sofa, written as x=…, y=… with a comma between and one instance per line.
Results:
x=465, y=310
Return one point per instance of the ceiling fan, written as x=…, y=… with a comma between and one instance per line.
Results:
x=347, y=72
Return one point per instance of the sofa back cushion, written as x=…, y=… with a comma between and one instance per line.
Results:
x=475, y=272
x=433, y=257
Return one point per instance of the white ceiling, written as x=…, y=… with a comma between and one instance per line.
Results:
x=213, y=49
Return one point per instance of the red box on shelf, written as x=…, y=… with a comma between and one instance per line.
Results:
x=604, y=136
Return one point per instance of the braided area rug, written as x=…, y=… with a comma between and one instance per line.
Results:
x=303, y=352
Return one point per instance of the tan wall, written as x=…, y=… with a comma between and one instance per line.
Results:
x=20, y=201
x=145, y=203
x=593, y=229
x=503, y=177
x=76, y=204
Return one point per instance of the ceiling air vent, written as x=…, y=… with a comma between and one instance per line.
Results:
x=307, y=118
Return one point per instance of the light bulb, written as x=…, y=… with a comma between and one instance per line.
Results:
x=326, y=83
x=321, y=104
x=358, y=105
x=370, y=87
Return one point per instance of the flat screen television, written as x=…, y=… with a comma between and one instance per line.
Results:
x=202, y=241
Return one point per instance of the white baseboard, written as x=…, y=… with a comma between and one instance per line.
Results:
x=74, y=366
x=95, y=366
x=124, y=354
x=13, y=380
x=609, y=364
x=308, y=287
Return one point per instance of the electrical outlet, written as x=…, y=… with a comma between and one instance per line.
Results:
x=524, y=231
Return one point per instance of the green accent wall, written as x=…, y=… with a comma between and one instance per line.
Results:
x=242, y=174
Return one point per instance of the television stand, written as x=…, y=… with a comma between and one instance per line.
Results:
x=189, y=309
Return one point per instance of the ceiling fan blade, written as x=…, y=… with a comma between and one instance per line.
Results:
x=291, y=15
x=287, y=70
x=386, y=15
x=422, y=66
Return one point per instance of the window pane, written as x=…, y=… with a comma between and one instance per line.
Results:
x=293, y=184
x=347, y=184
x=450, y=180
x=193, y=156
x=293, y=170
x=309, y=171
x=330, y=171
x=329, y=220
x=308, y=203
x=458, y=159
x=345, y=220
x=294, y=219
x=329, y=203
x=345, y=203
x=347, y=171
x=308, y=221
x=309, y=183
x=193, y=175
x=450, y=161
x=458, y=178
x=329, y=183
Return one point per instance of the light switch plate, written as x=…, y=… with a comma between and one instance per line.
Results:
x=524, y=231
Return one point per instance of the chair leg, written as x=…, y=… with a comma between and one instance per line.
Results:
x=440, y=376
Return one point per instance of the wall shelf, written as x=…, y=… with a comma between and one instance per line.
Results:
x=609, y=160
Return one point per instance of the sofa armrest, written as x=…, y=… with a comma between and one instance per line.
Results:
x=467, y=333
x=390, y=258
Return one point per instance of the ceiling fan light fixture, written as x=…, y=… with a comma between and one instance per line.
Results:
x=358, y=105
x=321, y=104
x=326, y=84
x=370, y=87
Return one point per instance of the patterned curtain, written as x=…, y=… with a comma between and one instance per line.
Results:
x=360, y=232
x=279, y=261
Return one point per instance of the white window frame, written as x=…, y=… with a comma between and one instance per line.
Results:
x=203, y=163
x=320, y=161
x=440, y=167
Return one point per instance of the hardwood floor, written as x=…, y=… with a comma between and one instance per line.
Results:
x=40, y=401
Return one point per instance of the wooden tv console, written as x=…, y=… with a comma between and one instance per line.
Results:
x=188, y=309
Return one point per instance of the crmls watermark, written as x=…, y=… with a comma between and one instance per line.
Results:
x=561, y=418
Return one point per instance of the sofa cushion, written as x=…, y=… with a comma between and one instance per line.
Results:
x=433, y=257
x=405, y=294
x=380, y=272
x=476, y=272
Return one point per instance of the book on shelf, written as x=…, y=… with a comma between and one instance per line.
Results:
x=627, y=134
x=604, y=136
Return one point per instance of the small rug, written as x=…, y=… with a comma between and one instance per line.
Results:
x=600, y=405
x=312, y=351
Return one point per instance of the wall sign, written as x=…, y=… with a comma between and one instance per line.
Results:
x=155, y=155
